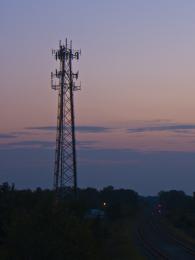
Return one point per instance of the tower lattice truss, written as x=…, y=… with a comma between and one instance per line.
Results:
x=63, y=80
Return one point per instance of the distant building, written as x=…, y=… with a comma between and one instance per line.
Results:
x=95, y=214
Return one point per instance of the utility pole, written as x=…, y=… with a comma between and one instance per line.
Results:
x=65, y=170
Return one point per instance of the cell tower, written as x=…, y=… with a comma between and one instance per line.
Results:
x=65, y=170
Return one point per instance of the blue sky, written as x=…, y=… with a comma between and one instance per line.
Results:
x=135, y=112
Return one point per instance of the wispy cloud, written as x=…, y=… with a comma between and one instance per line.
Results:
x=20, y=133
x=109, y=161
x=45, y=144
x=42, y=128
x=92, y=129
x=82, y=128
x=29, y=143
x=7, y=136
x=178, y=128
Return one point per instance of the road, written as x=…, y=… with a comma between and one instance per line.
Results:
x=156, y=242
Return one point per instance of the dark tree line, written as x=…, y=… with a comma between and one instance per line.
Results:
x=33, y=225
x=179, y=209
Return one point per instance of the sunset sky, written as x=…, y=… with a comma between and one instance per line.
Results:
x=135, y=114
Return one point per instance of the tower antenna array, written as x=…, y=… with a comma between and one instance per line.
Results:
x=65, y=170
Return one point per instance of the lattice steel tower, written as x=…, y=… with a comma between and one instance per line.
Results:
x=65, y=172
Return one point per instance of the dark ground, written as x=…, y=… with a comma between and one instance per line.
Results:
x=36, y=225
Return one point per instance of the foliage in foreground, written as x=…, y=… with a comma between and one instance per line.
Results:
x=33, y=225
